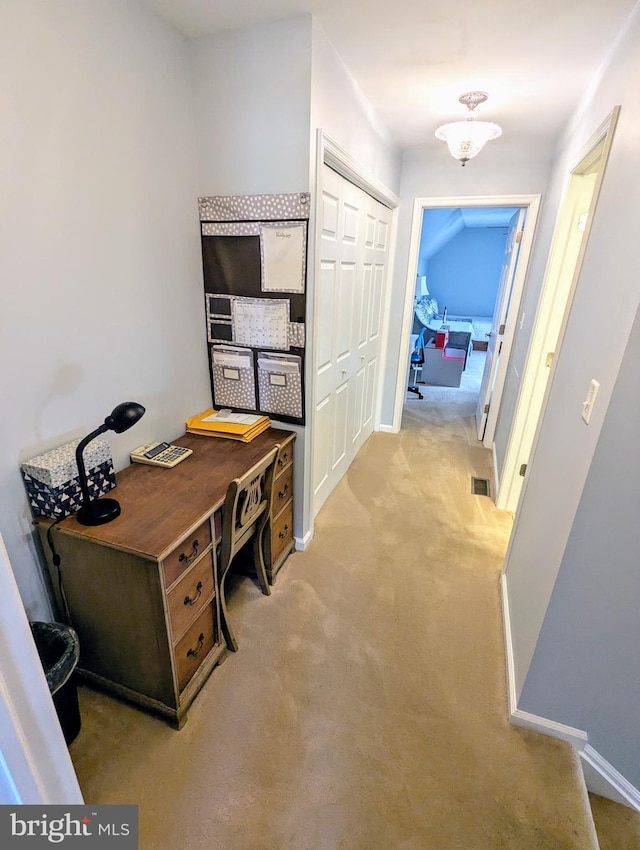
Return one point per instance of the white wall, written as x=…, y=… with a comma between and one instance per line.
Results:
x=100, y=267
x=339, y=108
x=603, y=310
x=253, y=104
x=585, y=672
x=428, y=173
x=261, y=94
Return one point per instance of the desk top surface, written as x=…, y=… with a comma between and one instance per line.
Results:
x=159, y=506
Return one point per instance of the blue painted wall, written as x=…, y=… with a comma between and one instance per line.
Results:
x=438, y=227
x=464, y=274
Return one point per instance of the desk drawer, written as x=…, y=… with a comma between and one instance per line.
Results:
x=281, y=533
x=186, y=553
x=284, y=457
x=282, y=490
x=193, y=648
x=190, y=594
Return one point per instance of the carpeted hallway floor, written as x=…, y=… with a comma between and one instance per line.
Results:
x=366, y=707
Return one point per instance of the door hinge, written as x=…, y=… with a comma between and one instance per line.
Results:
x=549, y=359
x=486, y=408
x=523, y=469
x=501, y=330
x=519, y=235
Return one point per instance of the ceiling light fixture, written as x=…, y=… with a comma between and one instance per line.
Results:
x=467, y=138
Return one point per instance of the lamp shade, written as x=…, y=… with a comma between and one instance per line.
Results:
x=466, y=139
x=124, y=416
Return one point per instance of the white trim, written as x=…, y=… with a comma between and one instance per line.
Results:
x=336, y=157
x=386, y=429
x=35, y=765
x=508, y=497
x=496, y=472
x=600, y=776
x=514, y=300
x=303, y=542
x=512, y=696
x=526, y=720
x=385, y=331
x=531, y=202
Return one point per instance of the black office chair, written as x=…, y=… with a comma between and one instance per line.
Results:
x=416, y=362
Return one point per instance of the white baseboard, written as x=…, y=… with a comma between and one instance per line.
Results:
x=512, y=697
x=303, y=542
x=387, y=429
x=600, y=777
x=526, y=720
x=496, y=474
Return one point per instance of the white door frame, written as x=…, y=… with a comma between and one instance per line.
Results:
x=35, y=766
x=510, y=486
x=329, y=152
x=486, y=423
x=532, y=203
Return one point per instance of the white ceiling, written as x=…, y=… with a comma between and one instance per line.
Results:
x=414, y=58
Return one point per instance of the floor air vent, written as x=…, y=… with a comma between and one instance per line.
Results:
x=480, y=486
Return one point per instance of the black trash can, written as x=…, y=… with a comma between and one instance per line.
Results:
x=59, y=650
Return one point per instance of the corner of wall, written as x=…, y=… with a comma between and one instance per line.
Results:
x=599, y=775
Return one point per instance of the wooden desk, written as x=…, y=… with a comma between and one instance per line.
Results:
x=142, y=590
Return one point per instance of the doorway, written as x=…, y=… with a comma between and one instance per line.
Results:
x=350, y=290
x=362, y=213
x=569, y=242
x=530, y=204
x=463, y=267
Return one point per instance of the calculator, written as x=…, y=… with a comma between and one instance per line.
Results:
x=160, y=454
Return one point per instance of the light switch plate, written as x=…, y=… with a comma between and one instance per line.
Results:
x=587, y=404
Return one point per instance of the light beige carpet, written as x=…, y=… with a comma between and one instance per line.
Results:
x=618, y=827
x=366, y=707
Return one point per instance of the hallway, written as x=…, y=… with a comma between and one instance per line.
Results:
x=366, y=707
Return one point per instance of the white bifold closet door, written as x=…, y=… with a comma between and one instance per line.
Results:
x=354, y=255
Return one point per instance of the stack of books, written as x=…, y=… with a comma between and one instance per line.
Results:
x=224, y=423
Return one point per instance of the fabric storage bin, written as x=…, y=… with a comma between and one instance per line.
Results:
x=280, y=384
x=233, y=377
x=52, y=480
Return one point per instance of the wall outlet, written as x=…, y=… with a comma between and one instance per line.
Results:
x=587, y=404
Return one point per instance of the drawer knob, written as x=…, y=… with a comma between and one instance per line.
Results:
x=193, y=653
x=282, y=460
x=282, y=493
x=189, y=601
x=184, y=558
x=284, y=532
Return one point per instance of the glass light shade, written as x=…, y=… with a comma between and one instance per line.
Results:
x=467, y=138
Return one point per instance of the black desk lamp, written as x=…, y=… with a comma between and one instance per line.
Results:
x=104, y=510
